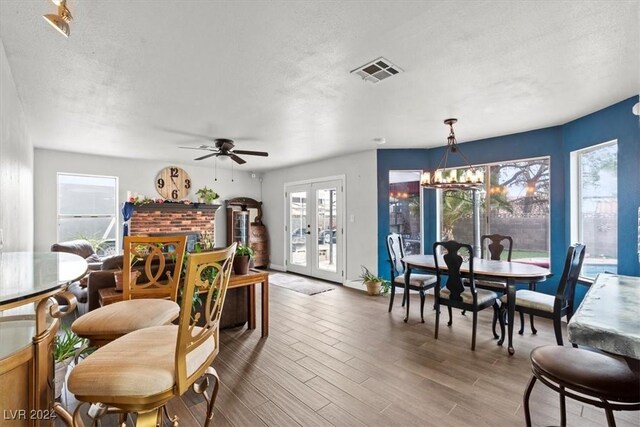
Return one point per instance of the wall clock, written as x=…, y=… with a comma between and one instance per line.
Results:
x=173, y=183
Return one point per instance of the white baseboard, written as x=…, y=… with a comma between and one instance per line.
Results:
x=277, y=267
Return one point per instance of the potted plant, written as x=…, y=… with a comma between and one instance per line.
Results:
x=66, y=345
x=206, y=195
x=376, y=285
x=241, y=260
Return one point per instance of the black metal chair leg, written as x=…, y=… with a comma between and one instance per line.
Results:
x=525, y=400
x=450, y=316
x=557, y=327
x=464, y=312
x=563, y=408
x=533, y=328
x=521, y=331
x=393, y=294
x=404, y=299
x=422, y=298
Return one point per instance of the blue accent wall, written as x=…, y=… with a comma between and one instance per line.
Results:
x=614, y=122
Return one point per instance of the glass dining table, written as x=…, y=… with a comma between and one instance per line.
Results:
x=29, y=321
x=483, y=269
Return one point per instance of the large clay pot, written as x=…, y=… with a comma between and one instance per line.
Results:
x=241, y=264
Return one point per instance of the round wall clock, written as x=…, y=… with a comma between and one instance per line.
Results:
x=173, y=183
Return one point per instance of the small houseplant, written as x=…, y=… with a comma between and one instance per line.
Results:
x=376, y=285
x=66, y=345
x=206, y=195
x=241, y=260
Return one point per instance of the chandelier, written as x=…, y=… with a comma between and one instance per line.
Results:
x=468, y=178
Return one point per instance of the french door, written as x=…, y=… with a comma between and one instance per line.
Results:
x=314, y=230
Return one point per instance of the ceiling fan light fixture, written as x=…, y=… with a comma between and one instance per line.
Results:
x=61, y=20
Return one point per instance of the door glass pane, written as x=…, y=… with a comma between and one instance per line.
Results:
x=326, y=208
x=405, y=208
x=598, y=228
x=298, y=226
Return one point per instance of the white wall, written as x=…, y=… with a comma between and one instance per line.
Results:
x=361, y=202
x=133, y=175
x=16, y=165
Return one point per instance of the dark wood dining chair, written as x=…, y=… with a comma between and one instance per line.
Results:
x=492, y=246
x=417, y=282
x=454, y=293
x=556, y=306
x=596, y=378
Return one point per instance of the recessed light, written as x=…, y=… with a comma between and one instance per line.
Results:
x=380, y=141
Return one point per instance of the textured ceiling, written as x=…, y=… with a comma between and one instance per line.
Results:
x=137, y=77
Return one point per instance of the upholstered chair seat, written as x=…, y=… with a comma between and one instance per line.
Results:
x=141, y=363
x=484, y=296
x=533, y=299
x=115, y=320
x=417, y=280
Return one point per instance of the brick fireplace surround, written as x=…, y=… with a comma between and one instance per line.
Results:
x=172, y=218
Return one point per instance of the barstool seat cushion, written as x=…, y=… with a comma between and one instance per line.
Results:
x=141, y=363
x=417, y=280
x=590, y=372
x=123, y=317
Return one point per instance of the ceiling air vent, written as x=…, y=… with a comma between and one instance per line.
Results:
x=377, y=70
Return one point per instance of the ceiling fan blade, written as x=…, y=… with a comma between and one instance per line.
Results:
x=237, y=159
x=252, y=153
x=206, y=156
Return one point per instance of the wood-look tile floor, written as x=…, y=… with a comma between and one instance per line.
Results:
x=338, y=358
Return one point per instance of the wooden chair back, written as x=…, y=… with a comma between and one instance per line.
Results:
x=153, y=253
x=567, y=284
x=395, y=250
x=211, y=271
x=452, y=254
x=495, y=246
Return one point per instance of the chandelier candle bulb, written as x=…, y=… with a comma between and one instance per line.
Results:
x=438, y=178
x=453, y=175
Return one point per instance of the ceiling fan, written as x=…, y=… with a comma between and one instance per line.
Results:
x=224, y=147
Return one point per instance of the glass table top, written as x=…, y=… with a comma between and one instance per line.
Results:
x=27, y=274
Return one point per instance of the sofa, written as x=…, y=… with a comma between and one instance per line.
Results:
x=84, y=249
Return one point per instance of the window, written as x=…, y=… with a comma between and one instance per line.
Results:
x=87, y=209
x=515, y=202
x=594, y=206
x=405, y=208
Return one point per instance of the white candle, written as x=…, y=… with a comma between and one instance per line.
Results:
x=438, y=177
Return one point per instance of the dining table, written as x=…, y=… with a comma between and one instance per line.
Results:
x=510, y=272
x=608, y=317
x=29, y=321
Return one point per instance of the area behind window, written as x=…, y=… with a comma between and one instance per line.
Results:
x=87, y=209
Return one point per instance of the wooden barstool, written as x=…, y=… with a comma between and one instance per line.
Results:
x=599, y=379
